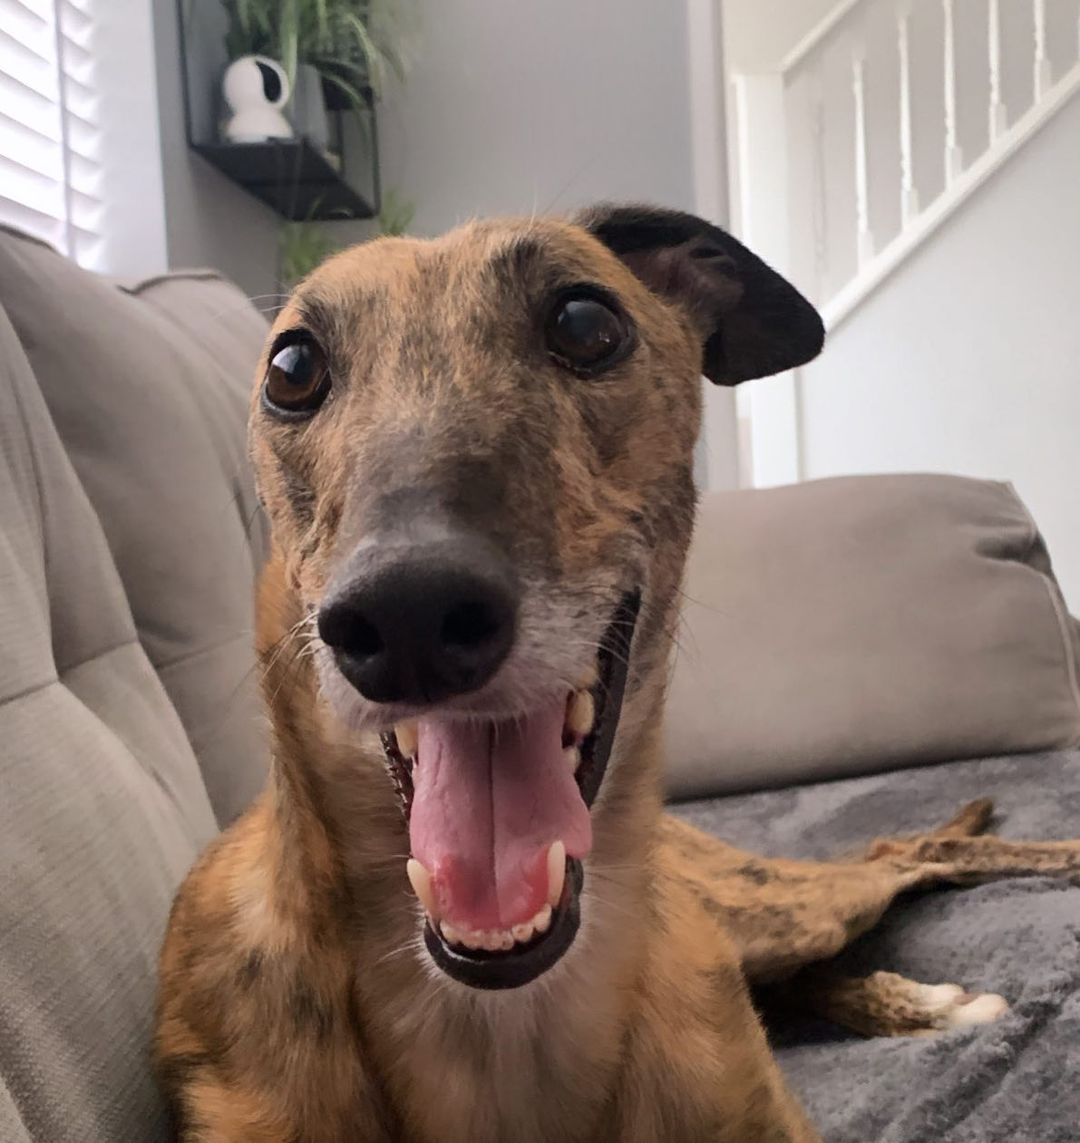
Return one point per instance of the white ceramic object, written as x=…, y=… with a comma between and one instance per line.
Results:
x=256, y=89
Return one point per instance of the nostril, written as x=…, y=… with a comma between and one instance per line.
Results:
x=469, y=624
x=348, y=630
x=364, y=639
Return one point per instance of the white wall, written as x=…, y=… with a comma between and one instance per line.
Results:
x=131, y=192
x=759, y=33
x=968, y=358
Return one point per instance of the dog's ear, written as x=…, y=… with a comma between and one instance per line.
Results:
x=753, y=322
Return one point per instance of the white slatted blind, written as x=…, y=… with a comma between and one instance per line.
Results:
x=50, y=140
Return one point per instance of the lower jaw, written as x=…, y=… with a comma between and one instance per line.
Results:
x=523, y=964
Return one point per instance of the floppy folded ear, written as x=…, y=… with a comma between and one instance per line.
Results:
x=753, y=322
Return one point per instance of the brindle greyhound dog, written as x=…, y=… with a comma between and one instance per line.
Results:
x=476, y=457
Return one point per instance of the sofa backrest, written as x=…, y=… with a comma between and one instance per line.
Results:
x=102, y=804
x=148, y=388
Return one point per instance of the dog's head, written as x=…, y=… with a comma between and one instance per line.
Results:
x=477, y=457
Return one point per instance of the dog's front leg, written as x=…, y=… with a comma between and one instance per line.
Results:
x=697, y=1065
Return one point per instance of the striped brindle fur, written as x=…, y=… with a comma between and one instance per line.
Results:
x=298, y=1002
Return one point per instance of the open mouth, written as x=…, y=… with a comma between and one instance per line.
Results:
x=499, y=820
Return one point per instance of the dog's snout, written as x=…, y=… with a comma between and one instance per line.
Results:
x=420, y=623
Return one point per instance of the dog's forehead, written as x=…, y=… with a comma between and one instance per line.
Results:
x=490, y=253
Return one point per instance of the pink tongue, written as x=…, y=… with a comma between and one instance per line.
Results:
x=488, y=801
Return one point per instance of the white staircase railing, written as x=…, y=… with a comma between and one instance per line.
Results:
x=877, y=126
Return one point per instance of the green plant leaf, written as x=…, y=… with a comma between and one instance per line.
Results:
x=322, y=24
x=289, y=38
x=367, y=49
x=302, y=246
x=396, y=214
x=352, y=93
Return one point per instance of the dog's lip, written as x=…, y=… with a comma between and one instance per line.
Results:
x=524, y=962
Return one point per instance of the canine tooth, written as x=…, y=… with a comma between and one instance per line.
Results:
x=556, y=869
x=420, y=880
x=581, y=713
x=588, y=678
x=523, y=932
x=572, y=758
x=407, y=737
x=542, y=921
x=450, y=933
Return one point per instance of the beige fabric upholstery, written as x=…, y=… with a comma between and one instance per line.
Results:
x=102, y=806
x=148, y=389
x=861, y=623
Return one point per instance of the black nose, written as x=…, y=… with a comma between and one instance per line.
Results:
x=418, y=623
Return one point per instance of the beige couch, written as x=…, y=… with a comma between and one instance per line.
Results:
x=130, y=728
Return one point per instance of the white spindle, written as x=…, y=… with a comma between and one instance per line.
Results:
x=909, y=196
x=999, y=119
x=820, y=191
x=954, y=161
x=1042, y=63
x=862, y=198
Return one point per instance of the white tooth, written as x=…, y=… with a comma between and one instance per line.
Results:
x=472, y=940
x=556, y=863
x=522, y=933
x=450, y=933
x=406, y=735
x=588, y=678
x=490, y=940
x=580, y=715
x=506, y=942
x=420, y=880
x=542, y=920
x=572, y=758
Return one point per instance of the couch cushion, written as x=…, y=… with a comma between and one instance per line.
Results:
x=102, y=805
x=862, y=623
x=148, y=388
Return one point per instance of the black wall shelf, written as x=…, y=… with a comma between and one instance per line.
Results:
x=290, y=175
x=294, y=177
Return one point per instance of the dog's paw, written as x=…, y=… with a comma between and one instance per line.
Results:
x=948, y=1006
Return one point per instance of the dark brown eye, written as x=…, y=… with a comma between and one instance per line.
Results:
x=298, y=380
x=586, y=333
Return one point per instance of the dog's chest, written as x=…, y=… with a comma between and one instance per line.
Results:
x=492, y=1068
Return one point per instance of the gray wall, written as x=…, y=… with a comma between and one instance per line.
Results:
x=512, y=106
x=967, y=359
x=516, y=106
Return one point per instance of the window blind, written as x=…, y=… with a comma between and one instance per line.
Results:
x=50, y=141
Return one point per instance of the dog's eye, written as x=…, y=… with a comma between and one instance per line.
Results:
x=298, y=380
x=585, y=333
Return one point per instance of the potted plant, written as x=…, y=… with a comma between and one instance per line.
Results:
x=344, y=48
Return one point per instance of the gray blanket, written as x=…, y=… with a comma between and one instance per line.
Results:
x=1017, y=1081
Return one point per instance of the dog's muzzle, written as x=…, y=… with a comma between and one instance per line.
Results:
x=498, y=809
